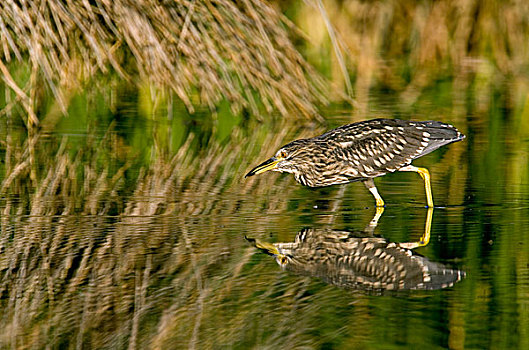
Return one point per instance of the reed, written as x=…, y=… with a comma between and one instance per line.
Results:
x=407, y=47
x=204, y=52
x=244, y=53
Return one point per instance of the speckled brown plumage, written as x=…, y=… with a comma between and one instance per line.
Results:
x=360, y=152
x=353, y=261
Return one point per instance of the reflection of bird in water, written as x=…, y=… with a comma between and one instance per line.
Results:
x=351, y=261
x=361, y=152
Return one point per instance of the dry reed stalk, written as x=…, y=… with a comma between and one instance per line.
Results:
x=210, y=50
x=408, y=46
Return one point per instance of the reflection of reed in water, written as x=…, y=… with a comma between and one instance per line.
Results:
x=357, y=260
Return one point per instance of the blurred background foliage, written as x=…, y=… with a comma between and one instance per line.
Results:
x=258, y=56
x=126, y=128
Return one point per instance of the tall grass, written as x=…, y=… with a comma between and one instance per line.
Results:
x=203, y=51
x=244, y=52
x=406, y=47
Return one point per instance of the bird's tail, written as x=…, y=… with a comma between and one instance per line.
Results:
x=440, y=134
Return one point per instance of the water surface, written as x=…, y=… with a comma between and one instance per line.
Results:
x=135, y=238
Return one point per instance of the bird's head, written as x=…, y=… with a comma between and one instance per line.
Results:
x=282, y=258
x=289, y=159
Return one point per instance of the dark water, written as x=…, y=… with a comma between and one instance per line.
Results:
x=134, y=241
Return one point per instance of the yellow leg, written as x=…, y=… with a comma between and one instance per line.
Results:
x=425, y=174
x=425, y=239
x=370, y=184
x=370, y=228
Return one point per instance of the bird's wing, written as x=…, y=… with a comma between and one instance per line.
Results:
x=375, y=149
x=369, y=263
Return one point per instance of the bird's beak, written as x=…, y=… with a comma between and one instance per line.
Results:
x=269, y=249
x=264, y=166
x=265, y=247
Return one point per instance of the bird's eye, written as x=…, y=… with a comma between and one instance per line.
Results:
x=282, y=154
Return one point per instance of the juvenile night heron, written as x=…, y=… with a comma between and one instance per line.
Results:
x=362, y=151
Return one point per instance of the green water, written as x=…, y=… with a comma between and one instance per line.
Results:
x=127, y=227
